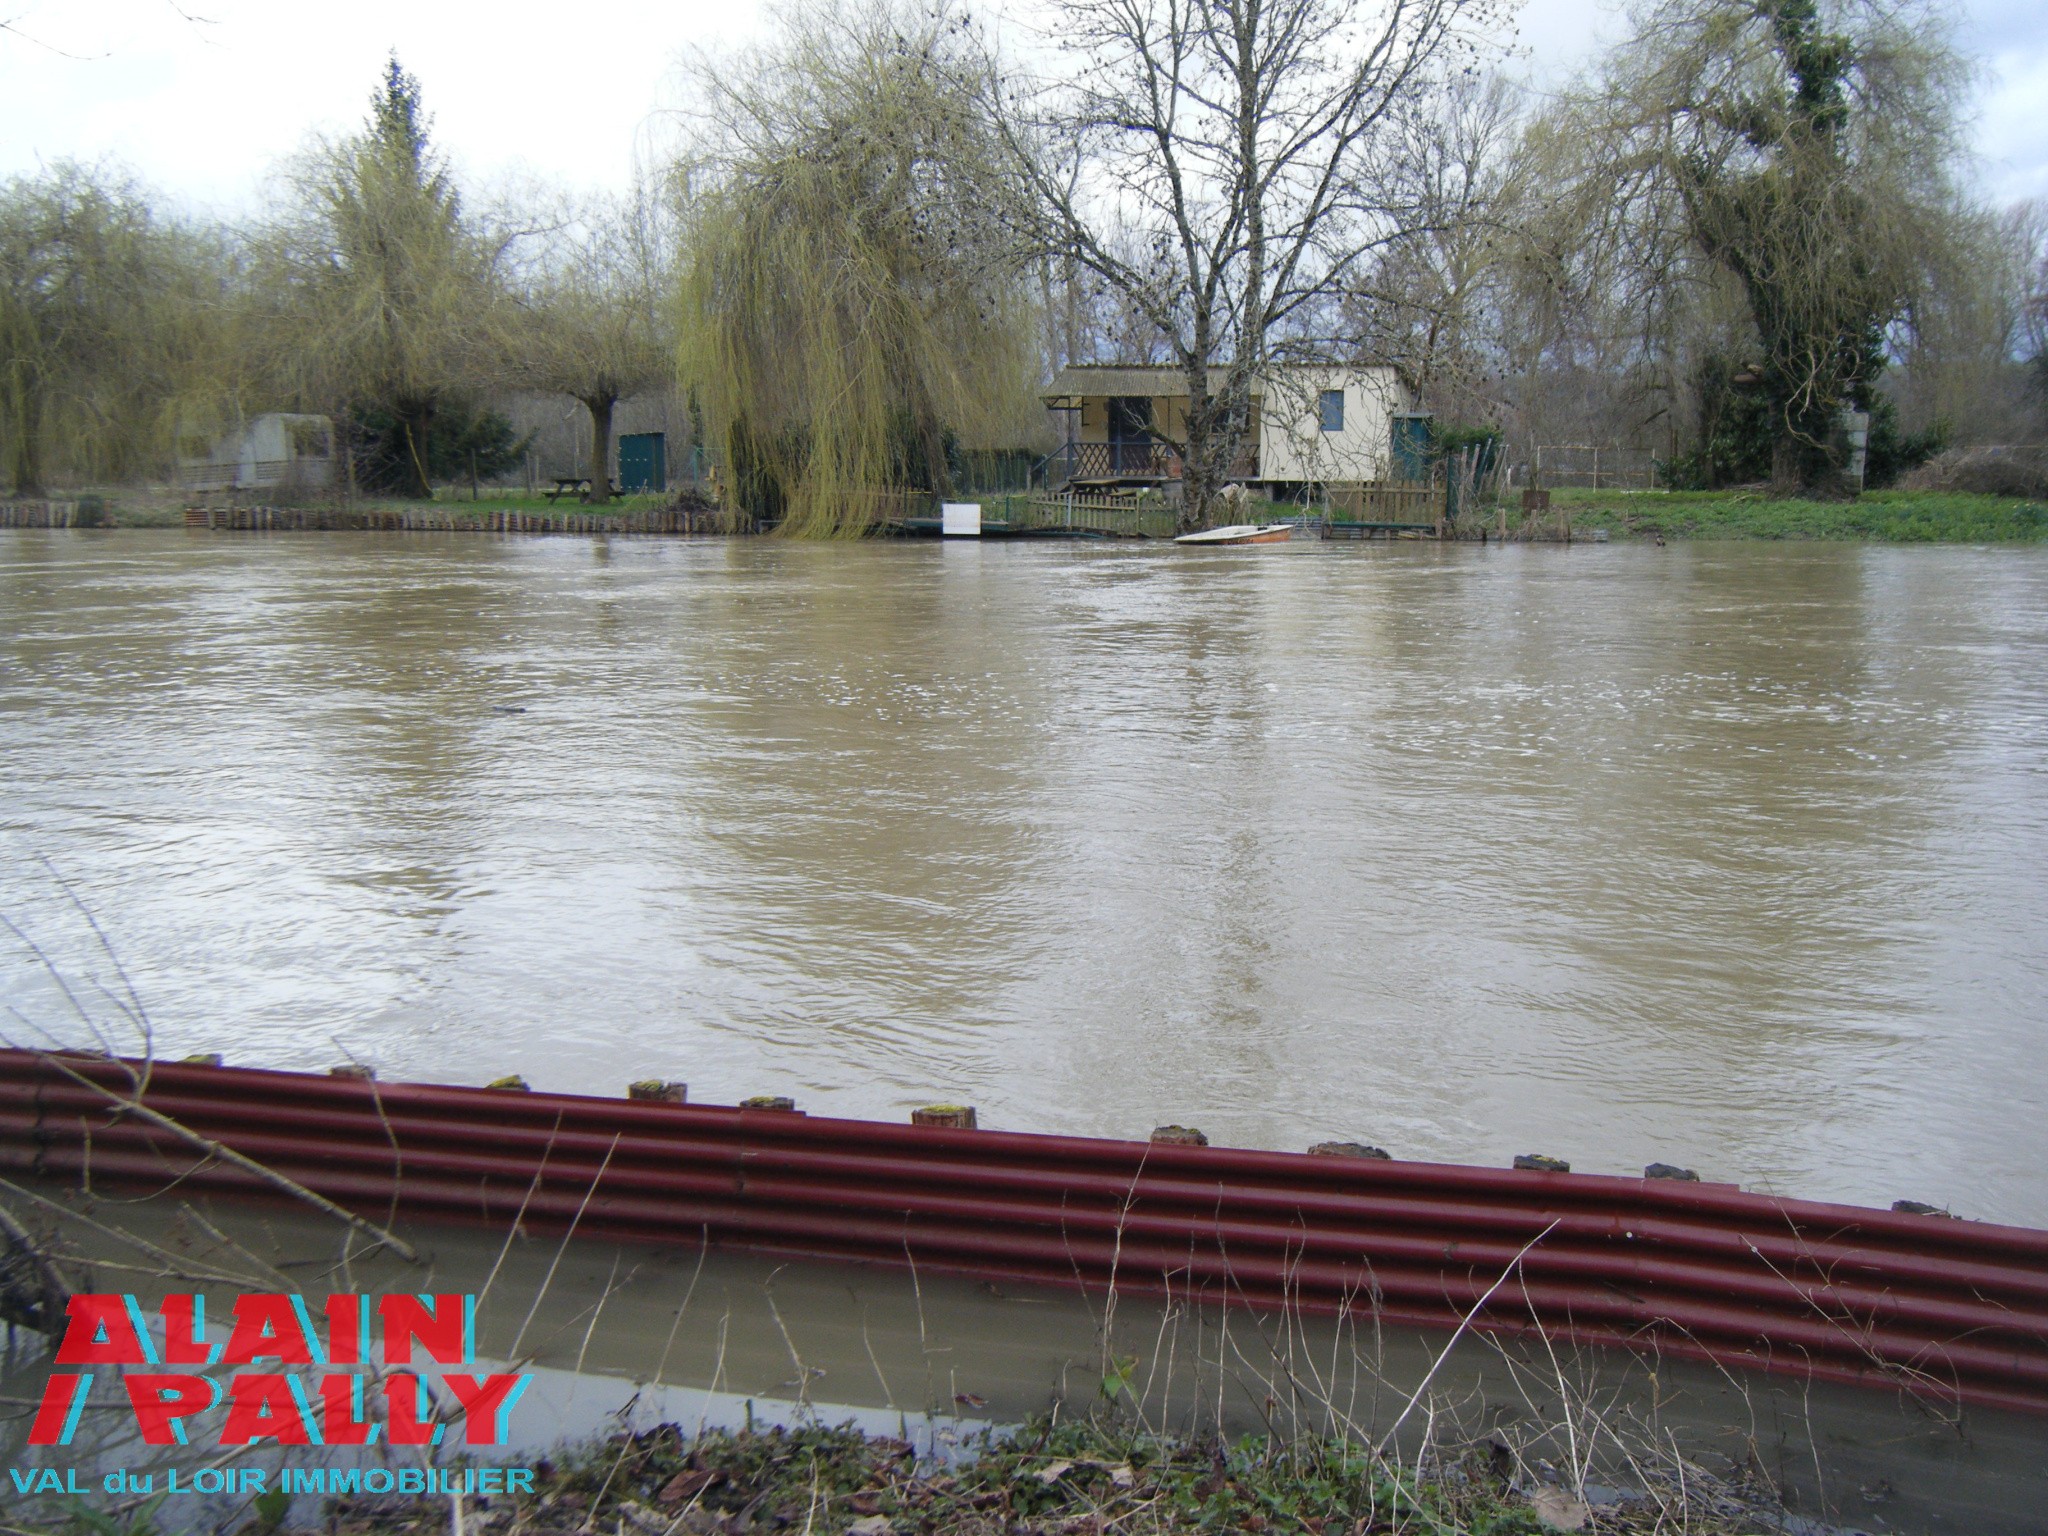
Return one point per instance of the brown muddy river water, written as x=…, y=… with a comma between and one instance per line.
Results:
x=1733, y=856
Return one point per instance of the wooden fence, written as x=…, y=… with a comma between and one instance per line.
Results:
x=1387, y=505
x=1115, y=516
x=672, y=520
x=88, y=512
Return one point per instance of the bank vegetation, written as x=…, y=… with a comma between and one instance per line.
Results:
x=880, y=229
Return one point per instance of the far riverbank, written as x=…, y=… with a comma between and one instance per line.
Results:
x=1878, y=517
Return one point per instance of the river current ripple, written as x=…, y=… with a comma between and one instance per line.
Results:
x=1733, y=856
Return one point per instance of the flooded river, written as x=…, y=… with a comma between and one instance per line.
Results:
x=1733, y=856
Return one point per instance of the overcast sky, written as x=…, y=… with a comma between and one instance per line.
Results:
x=205, y=108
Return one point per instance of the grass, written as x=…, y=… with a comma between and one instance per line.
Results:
x=1077, y=1477
x=1890, y=517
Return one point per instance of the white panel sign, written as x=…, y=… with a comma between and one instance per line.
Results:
x=960, y=519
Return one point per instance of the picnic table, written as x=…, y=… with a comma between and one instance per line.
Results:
x=577, y=486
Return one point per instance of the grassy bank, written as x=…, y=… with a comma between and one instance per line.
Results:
x=1076, y=1478
x=1891, y=517
x=1895, y=517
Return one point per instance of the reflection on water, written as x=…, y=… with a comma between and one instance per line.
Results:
x=635, y=1337
x=1729, y=856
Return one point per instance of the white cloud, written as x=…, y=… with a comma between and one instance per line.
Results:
x=204, y=110
x=1558, y=37
x=2012, y=133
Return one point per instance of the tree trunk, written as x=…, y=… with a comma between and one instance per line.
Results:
x=1785, y=468
x=413, y=425
x=1803, y=460
x=600, y=407
x=1198, y=481
x=1218, y=425
x=936, y=468
x=28, y=457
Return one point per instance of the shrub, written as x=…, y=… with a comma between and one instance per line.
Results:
x=1995, y=470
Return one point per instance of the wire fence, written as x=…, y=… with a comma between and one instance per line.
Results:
x=1593, y=466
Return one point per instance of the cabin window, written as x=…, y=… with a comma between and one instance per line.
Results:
x=1130, y=418
x=1330, y=410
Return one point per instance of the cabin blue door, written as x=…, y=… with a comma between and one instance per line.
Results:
x=643, y=461
x=1411, y=445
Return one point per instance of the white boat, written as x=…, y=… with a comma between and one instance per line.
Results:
x=1241, y=533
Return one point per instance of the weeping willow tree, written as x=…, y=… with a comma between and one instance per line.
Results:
x=107, y=315
x=852, y=305
x=1808, y=149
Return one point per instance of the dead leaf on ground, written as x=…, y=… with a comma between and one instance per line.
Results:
x=686, y=1485
x=872, y=1525
x=1052, y=1474
x=1121, y=1476
x=1558, y=1509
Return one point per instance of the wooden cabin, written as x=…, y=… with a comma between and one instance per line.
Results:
x=1310, y=426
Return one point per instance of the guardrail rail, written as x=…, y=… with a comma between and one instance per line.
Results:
x=1948, y=1310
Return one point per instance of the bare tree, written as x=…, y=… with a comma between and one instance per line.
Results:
x=1225, y=167
x=1435, y=300
x=1963, y=356
x=1601, y=300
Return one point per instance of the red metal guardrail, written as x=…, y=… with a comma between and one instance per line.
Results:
x=1951, y=1311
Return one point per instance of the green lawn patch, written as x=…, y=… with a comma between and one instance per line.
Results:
x=1891, y=517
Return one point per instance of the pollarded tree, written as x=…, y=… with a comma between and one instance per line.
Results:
x=1228, y=167
x=852, y=299
x=1808, y=145
x=596, y=317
